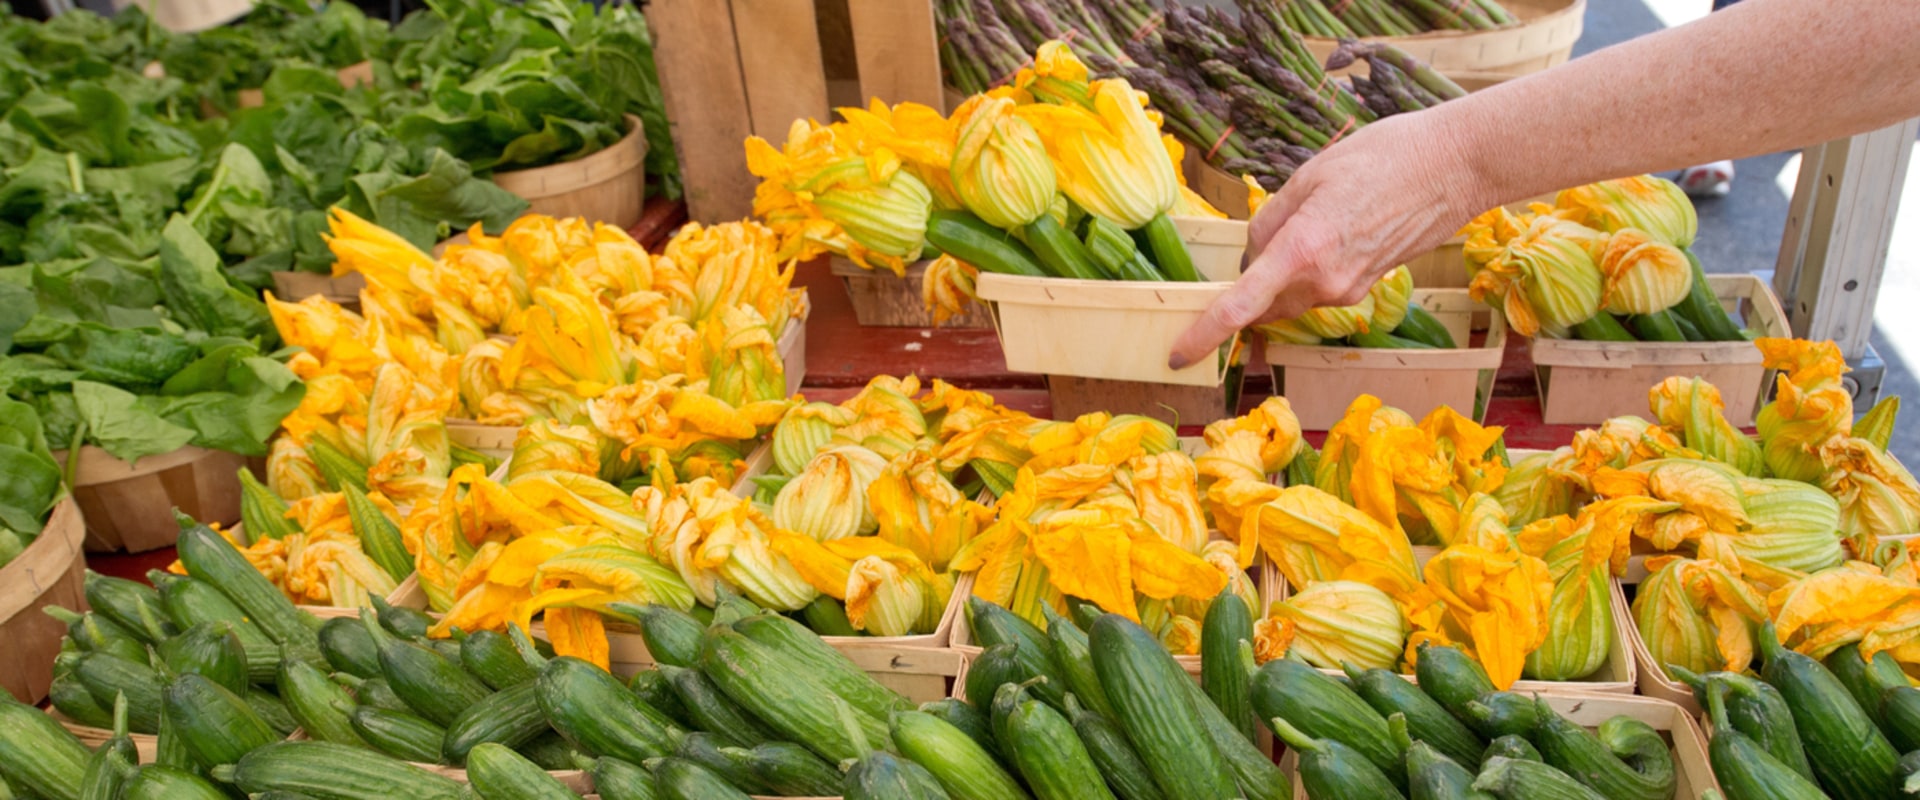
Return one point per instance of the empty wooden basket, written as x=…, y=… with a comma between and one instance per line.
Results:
x=129, y=506
x=609, y=186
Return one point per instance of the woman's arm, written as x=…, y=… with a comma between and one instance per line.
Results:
x=1761, y=76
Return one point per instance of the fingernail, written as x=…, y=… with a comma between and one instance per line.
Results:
x=1177, y=362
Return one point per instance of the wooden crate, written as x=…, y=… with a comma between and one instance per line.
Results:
x=1069, y=327
x=1617, y=676
x=1586, y=383
x=730, y=69
x=1689, y=744
x=130, y=506
x=608, y=186
x=1320, y=382
x=882, y=300
x=50, y=571
x=1543, y=38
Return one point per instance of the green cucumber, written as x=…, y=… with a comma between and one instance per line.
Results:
x=510, y=717
x=210, y=558
x=93, y=632
x=1498, y=714
x=652, y=687
x=1421, y=325
x=1143, y=683
x=37, y=755
x=155, y=782
x=708, y=751
x=70, y=697
x=315, y=702
x=552, y=751
x=134, y=606
x=884, y=776
x=1754, y=709
x=1510, y=746
x=966, y=237
x=210, y=649
x=794, y=644
x=712, y=712
x=962, y=765
x=680, y=779
x=1625, y=760
x=329, y=771
x=107, y=675
x=217, y=725
x=995, y=666
x=1742, y=766
x=406, y=623
x=111, y=766
x=431, y=685
x=1108, y=746
x=790, y=700
x=1427, y=721
x=1602, y=327
x=1451, y=677
x=1049, y=755
x=789, y=770
x=1703, y=309
x=1866, y=681
x=498, y=773
x=348, y=648
x=1322, y=708
x=1223, y=674
x=969, y=720
x=1073, y=662
x=672, y=635
x=1252, y=769
x=191, y=602
x=272, y=710
x=1900, y=717
x=1514, y=779
x=1170, y=252
x=1658, y=327
x=398, y=733
x=614, y=779
x=1431, y=775
x=1330, y=769
x=600, y=716
x=1851, y=757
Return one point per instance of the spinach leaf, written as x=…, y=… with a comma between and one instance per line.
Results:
x=122, y=425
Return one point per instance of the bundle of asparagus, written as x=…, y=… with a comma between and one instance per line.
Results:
x=1244, y=90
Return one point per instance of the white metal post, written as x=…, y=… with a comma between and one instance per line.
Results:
x=1839, y=227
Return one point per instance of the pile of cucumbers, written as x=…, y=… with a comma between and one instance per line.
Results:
x=1101, y=701
x=1804, y=730
x=1418, y=330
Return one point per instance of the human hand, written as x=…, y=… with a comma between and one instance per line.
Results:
x=1393, y=189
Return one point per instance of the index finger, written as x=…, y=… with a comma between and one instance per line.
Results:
x=1230, y=312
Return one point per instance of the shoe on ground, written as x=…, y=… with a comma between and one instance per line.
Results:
x=1707, y=180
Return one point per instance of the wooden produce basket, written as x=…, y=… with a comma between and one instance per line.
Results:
x=1115, y=330
x=792, y=347
x=1586, y=383
x=1543, y=38
x=882, y=300
x=129, y=507
x=730, y=69
x=1321, y=381
x=1688, y=743
x=50, y=571
x=608, y=186
x=344, y=291
x=1175, y=404
x=1618, y=676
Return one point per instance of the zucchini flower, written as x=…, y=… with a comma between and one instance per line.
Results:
x=1709, y=494
x=1326, y=322
x=1390, y=295
x=883, y=599
x=1487, y=236
x=1312, y=537
x=947, y=288
x=1642, y=275
x=1546, y=277
x=742, y=362
x=382, y=256
x=886, y=419
x=1795, y=527
x=1165, y=489
x=1224, y=556
x=882, y=208
x=1692, y=408
x=1697, y=614
x=1499, y=600
x=1401, y=473
x=1580, y=616
x=922, y=137
x=1365, y=415
x=291, y=473
x=1877, y=495
x=1476, y=451
x=1810, y=405
x=1000, y=166
x=919, y=509
x=569, y=340
x=1826, y=611
x=334, y=336
x=804, y=233
x=545, y=445
x=1532, y=492
x=827, y=500
x=803, y=432
x=1110, y=559
x=1332, y=624
x=1107, y=156
x=1271, y=428
x=1646, y=203
x=1057, y=76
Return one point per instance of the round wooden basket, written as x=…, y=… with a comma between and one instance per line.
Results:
x=50, y=571
x=608, y=186
x=130, y=506
x=1544, y=38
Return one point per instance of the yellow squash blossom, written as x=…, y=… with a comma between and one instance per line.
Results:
x=1499, y=600
x=1312, y=537
x=919, y=509
x=1106, y=560
x=1656, y=206
x=1810, y=406
x=1390, y=295
x=1000, y=166
x=804, y=232
x=1545, y=278
x=828, y=499
x=1697, y=614
x=1365, y=415
x=1332, y=624
x=1108, y=158
x=381, y=255
x=1877, y=495
x=947, y=287
x=1165, y=489
x=1692, y=408
x=1823, y=612
x=1532, y=491
x=1642, y=275
x=803, y=431
x=921, y=136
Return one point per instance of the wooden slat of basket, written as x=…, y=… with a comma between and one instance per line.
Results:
x=49, y=571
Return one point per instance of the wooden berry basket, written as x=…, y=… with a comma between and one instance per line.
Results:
x=129, y=507
x=1544, y=37
x=343, y=291
x=1689, y=744
x=1587, y=383
x=1063, y=326
x=50, y=571
x=608, y=186
x=882, y=300
x=1322, y=381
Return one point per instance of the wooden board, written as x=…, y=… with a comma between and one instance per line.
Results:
x=706, y=102
x=49, y=571
x=898, y=54
x=780, y=64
